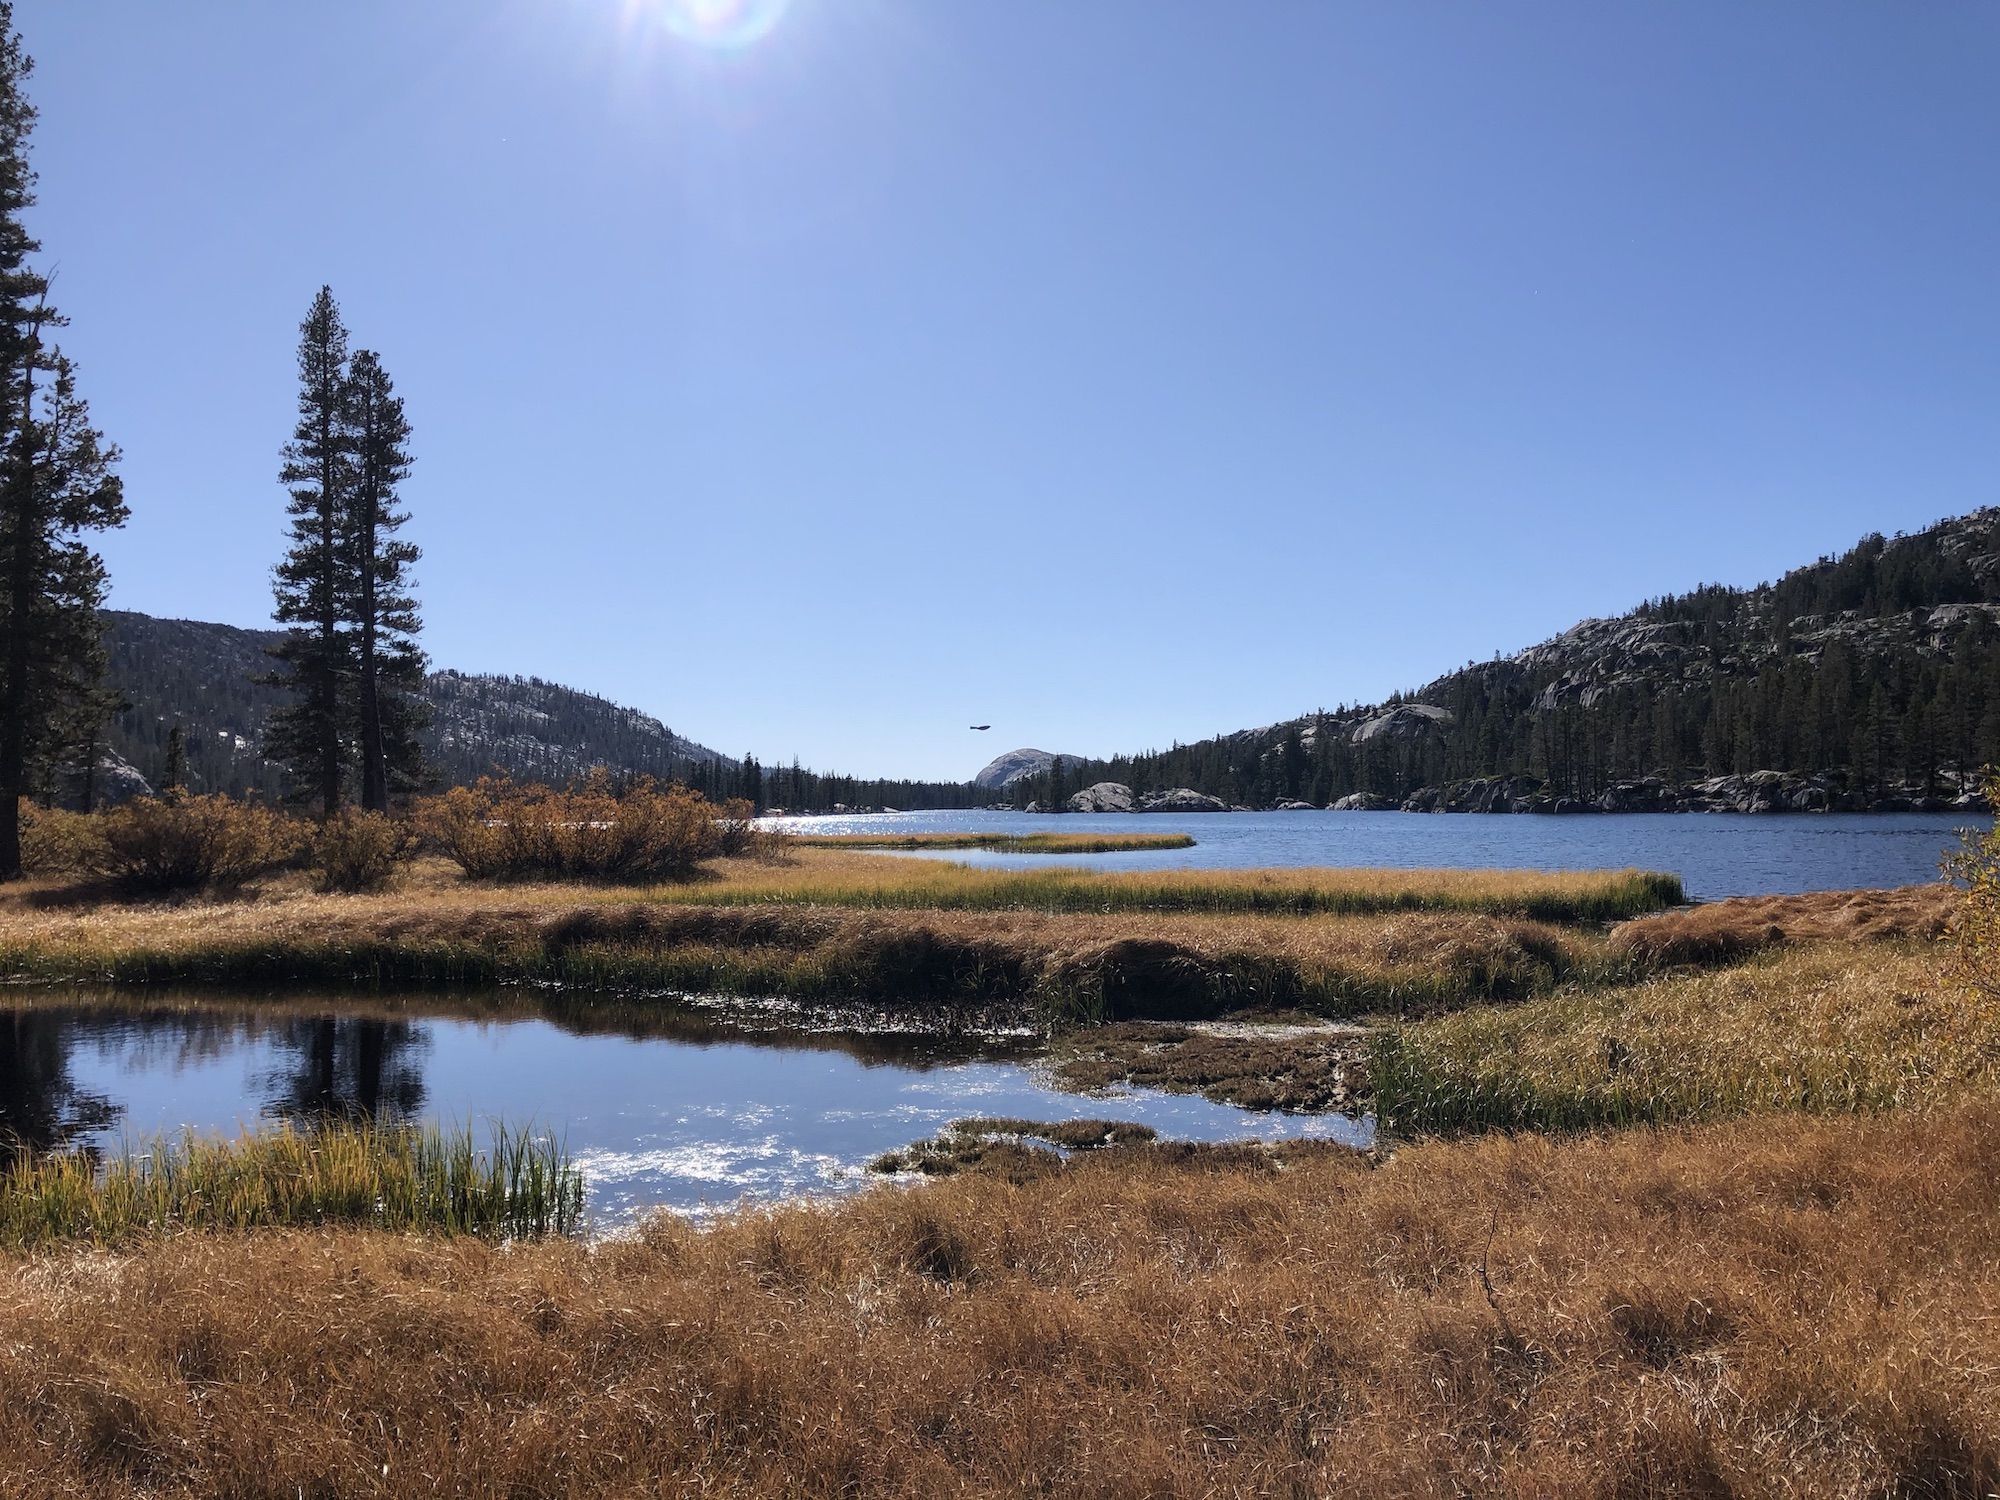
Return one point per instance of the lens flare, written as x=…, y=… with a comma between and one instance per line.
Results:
x=724, y=24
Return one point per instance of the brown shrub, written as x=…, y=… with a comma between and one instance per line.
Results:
x=737, y=833
x=57, y=842
x=361, y=851
x=188, y=843
x=502, y=830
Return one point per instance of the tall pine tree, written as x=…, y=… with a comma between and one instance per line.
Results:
x=311, y=734
x=388, y=665
x=56, y=486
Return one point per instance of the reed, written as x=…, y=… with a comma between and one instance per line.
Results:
x=1829, y=1028
x=998, y=843
x=350, y=1174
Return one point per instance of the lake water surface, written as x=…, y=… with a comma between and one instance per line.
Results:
x=693, y=1108
x=1715, y=854
x=661, y=1107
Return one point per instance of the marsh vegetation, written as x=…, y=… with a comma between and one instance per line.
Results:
x=510, y=1184
x=1668, y=1120
x=1799, y=1307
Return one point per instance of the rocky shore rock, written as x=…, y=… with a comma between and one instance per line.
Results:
x=1753, y=792
x=1104, y=797
x=1362, y=802
x=1182, y=800
x=1116, y=797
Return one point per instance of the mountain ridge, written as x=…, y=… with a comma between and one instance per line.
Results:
x=205, y=676
x=1865, y=679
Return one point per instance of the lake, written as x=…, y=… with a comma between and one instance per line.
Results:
x=662, y=1107
x=693, y=1107
x=1715, y=854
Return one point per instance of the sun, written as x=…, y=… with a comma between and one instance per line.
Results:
x=723, y=24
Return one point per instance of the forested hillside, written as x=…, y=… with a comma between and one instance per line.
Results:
x=1871, y=679
x=210, y=681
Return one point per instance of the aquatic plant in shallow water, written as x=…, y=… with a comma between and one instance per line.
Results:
x=517, y=1185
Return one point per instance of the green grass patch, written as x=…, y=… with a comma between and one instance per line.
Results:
x=351, y=1175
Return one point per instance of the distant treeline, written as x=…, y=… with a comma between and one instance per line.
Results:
x=795, y=789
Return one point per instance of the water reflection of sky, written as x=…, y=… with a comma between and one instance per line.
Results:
x=1715, y=854
x=691, y=1121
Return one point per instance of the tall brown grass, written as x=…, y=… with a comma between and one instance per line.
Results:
x=1066, y=965
x=841, y=878
x=1976, y=869
x=1725, y=931
x=1834, y=1027
x=1798, y=1309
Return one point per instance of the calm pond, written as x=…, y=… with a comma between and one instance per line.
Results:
x=661, y=1107
x=1715, y=854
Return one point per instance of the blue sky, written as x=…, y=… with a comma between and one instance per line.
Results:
x=1112, y=373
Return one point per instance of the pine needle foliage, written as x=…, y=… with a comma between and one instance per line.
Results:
x=57, y=485
x=310, y=733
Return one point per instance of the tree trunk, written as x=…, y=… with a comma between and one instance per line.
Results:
x=88, y=791
x=374, y=756
x=329, y=628
x=14, y=691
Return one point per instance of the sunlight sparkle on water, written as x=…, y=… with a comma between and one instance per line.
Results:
x=728, y=24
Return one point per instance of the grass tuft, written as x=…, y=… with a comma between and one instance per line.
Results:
x=1828, y=1028
x=354, y=1175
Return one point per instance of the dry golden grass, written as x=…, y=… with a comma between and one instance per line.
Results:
x=1784, y=1308
x=1831, y=1027
x=1125, y=962
x=1723, y=931
x=850, y=878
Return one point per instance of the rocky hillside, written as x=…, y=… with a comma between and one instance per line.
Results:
x=1867, y=680
x=1005, y=770
x=205, y=677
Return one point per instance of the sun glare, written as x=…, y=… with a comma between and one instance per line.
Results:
x=726, y=24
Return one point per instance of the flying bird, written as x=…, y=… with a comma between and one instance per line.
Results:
x=982, y=726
